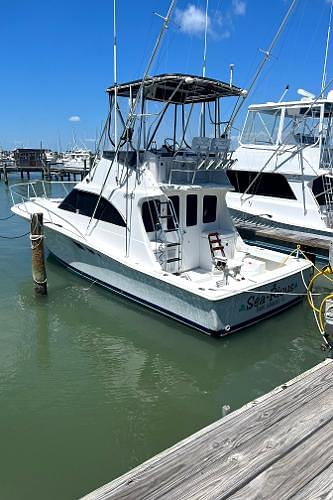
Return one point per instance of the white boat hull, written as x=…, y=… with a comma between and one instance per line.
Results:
x=213, y=317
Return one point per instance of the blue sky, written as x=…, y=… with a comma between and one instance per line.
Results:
x=57, y=56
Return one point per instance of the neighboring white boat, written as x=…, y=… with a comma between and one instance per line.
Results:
x=150, y=221
x=282, y=173
x=77, y=159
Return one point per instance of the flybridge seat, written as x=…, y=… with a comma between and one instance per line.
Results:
x=220, y=145
x=205, y=145
x=201, y=145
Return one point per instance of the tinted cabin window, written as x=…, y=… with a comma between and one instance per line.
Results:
x=264, y=184
x=318, y=190
x=149, y=215
x=175, y=201
x=209, y=209
x=84, y=203
x=191, y=210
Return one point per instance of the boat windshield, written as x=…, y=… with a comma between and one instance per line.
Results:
x=261, y=127
x=301, y=126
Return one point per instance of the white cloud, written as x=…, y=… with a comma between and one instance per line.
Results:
x=192, y=20
x=74, y=118
x=239, y=7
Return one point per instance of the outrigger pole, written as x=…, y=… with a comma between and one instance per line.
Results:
x=267, y=55
x=323, y=82
x=132, y=115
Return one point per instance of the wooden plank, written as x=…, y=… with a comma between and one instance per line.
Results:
x=222, y=474
x=292, y=471
x=320, y=488
x=194, y=454
x=283, y=235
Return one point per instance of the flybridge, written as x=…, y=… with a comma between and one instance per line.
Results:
x=178, y=88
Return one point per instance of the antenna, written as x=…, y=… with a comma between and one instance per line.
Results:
x=323, y=81
x=205, y=41
x=231, y=67
x=202, y=114
x=115, y=81
x=284, y=92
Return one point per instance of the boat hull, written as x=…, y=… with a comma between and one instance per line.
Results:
x=213, y=317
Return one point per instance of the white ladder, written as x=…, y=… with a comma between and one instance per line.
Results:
x=328, y=192
x=168, y=224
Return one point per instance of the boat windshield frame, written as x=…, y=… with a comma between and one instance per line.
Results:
x=315, y=111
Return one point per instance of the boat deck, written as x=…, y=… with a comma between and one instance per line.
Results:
x=279, y=446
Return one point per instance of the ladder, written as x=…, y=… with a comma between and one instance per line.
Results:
x=215, y=245
x=328, y=192
x=168, y=224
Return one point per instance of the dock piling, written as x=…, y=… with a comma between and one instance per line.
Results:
x=225, y=410
x=38, y=259
x=5, y=175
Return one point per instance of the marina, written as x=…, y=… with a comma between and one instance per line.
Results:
x=97, y=380
x=57, y=171
x=277, y=446
x=86, y=375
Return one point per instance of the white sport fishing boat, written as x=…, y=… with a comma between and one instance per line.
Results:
x=282, y=174
x=150, y=220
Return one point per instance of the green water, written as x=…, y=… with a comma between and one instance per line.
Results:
x=91, y=384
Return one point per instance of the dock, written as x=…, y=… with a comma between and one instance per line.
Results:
x=57, y=171
x=283, y=238
x=278, y=446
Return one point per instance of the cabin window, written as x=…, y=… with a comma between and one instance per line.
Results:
x=175, y=202
x=84, y=203
x=261, y=127
x=209, y=209
x=318, y=189
x=263, y=184
x=191, y=210
x=301, y=126
x=150, y=215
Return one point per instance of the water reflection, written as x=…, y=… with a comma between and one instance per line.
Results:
x=92, y=384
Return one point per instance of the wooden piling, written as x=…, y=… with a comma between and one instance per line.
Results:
x=38, y=259
x=225, y=410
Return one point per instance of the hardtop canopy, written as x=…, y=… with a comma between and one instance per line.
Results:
x=178, y=88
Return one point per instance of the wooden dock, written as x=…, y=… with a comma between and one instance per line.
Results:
x=286, y=238
x=279, y=446
x=56, y=171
